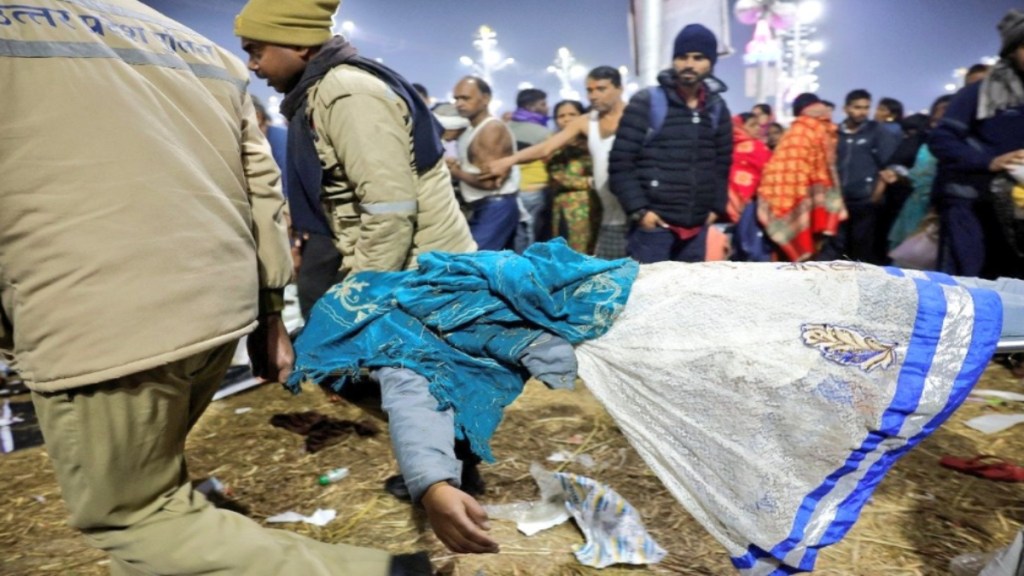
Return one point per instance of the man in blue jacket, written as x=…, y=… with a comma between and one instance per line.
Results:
x=978, y=141
x=670, y=163
x=865, y=147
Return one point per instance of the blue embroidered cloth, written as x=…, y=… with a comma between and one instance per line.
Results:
x=462, y=321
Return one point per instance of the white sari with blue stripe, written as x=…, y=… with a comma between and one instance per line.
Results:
x=771, y=399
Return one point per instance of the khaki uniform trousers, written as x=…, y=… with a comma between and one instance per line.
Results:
x=118, y=448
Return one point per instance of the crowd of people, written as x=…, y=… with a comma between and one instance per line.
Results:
x=374, y=179
x=659, y=171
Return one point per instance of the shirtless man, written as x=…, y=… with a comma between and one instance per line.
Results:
x=604, y=90
x=492, y=200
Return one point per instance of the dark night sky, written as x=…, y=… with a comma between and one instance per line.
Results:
x=906, y=49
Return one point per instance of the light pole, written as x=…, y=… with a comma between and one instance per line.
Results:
x=490, y=61
x=630, y=85
x=346, y=28
x=567, y=69
x=797, y=46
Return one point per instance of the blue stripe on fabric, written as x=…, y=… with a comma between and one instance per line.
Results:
x=749, y=561
x=941, y=278
x=894, y=271
x=931, y=312
x=984, y=338
x=932, y=309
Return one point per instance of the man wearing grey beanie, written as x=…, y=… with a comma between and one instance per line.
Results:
x=978, y=143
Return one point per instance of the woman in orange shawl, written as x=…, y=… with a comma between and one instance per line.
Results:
x=799, y=200
x=749, y=157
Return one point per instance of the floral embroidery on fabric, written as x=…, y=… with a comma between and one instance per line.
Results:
x=849, y=347
x=349, y=295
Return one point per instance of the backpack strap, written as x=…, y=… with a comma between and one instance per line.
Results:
x=658, y=110
x=715, y=112
x=656, y=113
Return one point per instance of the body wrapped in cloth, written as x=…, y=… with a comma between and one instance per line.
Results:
x=770, y=399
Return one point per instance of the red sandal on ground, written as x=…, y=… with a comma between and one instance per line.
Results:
x=985, y=466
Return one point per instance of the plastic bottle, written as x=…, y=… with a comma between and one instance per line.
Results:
x=332, y=476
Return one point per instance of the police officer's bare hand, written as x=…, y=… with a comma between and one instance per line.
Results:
x=1007, y=161
x=270, y=349
x=458, y=520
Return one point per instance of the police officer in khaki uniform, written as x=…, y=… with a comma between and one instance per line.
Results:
x=142, y=233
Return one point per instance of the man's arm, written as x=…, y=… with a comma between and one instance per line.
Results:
x=423, y=440
x=723, y=163
x=948, y=141
x=886, y=144
x=500, y=167
x=269, y=346
x=373, y=146
x=629, y=142
x=492, y=142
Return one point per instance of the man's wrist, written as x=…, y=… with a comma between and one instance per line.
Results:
x=271, y=302
x=638, y=215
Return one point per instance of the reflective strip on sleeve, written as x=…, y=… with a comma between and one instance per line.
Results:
x=133, y=56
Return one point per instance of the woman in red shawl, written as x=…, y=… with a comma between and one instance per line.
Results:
x=749, y=157
x=799, y=201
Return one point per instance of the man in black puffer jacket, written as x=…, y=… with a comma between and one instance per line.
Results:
x=670, y=164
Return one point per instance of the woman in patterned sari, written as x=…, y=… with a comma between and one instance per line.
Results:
x=577, y=212
x=749, y=157
x=799, y=202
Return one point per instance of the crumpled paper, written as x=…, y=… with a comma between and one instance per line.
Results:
x=533, y=517
x=6, y=420
x=612, y=528
x=321, y=517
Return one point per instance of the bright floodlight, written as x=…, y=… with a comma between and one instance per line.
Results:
x=525, y=86
x=815, y=47
x=466, y=61
x=950, y=87
x=809, y=10
x=348, y=26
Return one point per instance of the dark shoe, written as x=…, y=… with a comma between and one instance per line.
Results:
x=472, y=483
x=417, y=564
x=395, y=485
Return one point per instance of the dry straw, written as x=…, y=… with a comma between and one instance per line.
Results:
x=920, y=517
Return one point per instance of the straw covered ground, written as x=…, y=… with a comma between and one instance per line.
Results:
x=921, y=516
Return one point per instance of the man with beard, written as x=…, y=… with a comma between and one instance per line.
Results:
x=604, y=90
x=979, y=144
x=670, y=164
